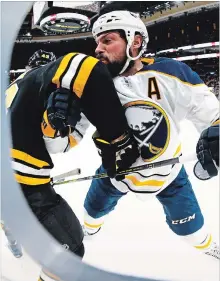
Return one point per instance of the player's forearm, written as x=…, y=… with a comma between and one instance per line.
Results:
x=109, y=117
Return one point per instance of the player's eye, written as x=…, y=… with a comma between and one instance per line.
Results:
x=106, y=40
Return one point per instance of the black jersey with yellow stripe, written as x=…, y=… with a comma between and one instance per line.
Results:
x=26, y=99
x=88, y=79
x=91, y=82
x=73, y=72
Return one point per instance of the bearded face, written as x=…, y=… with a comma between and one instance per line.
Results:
x=114, y=66
x=111, y=50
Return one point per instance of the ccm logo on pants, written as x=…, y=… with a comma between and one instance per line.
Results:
x=184, y=220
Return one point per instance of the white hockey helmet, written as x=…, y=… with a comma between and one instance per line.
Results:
x=123, y=20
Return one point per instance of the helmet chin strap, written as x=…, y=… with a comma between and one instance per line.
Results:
x=129, y=58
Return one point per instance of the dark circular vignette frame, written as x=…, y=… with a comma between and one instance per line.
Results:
x=37, y=242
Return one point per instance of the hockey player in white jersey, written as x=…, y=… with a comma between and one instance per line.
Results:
x=157, y=94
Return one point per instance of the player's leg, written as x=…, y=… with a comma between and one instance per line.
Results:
x=101, y=199
x=184, y=216
x=56, y=216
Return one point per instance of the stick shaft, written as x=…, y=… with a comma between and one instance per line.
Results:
x=128, y=171
x=65, y=175
x=172, y=161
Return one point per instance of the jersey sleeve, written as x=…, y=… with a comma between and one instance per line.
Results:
x=91, y=82
x=204, y=108
x=200, y=105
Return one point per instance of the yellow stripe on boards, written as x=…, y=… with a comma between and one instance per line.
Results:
x=20, y=155
x=62, y=67
x=31, y=180
x=83, y=75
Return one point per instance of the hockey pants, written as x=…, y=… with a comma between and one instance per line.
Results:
x=181, y=208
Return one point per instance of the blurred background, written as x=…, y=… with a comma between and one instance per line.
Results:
x=185, y=30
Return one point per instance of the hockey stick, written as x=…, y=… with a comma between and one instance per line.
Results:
x=172, y=161
x=62, y=177
x=12, y=243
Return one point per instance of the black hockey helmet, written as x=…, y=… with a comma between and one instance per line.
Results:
x=40, y=58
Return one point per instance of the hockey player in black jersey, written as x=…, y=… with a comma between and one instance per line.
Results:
x=48, y=102
x=39, y=58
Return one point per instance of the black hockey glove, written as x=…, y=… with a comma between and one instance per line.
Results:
x=207, y=150
x=63, y=111
x=122, y=153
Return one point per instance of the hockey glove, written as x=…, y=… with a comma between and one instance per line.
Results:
x=207, y=150
x=63, y=111
x=122, y=153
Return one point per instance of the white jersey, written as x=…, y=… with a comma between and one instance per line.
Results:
x=156, y=99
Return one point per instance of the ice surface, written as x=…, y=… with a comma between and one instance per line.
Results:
x=135, y=238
